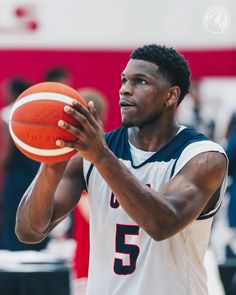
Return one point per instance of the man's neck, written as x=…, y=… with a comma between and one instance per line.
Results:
x=152, y=139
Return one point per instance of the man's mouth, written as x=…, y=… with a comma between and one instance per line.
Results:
x=124, y=104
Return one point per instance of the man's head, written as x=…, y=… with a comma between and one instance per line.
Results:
x=171, y=65
x=14, y=87
x=154, y=81
x=98, y=98
x=58, y=74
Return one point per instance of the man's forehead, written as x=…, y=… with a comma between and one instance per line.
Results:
x=140, y=67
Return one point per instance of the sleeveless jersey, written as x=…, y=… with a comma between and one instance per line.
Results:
x=124, y=259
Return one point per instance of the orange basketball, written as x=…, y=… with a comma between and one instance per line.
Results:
x=34, y=118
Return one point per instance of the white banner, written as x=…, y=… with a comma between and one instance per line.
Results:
x=117, y=23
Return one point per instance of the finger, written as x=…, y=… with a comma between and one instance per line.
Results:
x=77, y=145
x=72, y=144
x=82, y=119
x=82, y=116
x=93, y=111
x=62, y=143
x=79, y=107
x=87, y=111
x=74, y=130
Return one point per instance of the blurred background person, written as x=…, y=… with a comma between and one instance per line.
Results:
x=18, y=171
x=231, y=209
x=191, y=112
x=81, y=212
x=58, y=74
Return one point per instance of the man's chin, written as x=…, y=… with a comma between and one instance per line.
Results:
x=126, y=124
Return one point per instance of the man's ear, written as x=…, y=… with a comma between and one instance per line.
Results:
x=173, y=96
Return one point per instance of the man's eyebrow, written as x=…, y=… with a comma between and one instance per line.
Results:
x=136, y=75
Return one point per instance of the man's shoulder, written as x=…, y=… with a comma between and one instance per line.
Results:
x=116, y=135
x=193, y=144
x=117, y=141
x=190, y=138
x=115, y=132
x=190, y=133
x=194, y=138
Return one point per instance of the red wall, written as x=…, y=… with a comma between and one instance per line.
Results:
x=101, y=69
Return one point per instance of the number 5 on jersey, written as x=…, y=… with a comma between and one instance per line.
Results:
x=122, y=247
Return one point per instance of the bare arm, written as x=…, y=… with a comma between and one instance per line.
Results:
x=161, y=214
x=7, y=145
x=52, y=195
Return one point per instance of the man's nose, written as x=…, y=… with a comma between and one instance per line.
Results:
x=126, y=88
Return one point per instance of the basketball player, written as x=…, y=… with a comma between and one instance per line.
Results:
x=154, y=186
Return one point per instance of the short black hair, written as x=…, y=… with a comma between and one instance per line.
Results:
x=55, y=74
x=17, y=85
x=171, y=65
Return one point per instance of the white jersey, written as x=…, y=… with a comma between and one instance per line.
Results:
x=124, y=259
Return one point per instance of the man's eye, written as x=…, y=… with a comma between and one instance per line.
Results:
x=123, y=81
x=141, y=82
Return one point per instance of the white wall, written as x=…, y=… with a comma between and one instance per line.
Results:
x=112, y=23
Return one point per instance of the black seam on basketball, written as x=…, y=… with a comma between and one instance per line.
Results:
x=33, y=124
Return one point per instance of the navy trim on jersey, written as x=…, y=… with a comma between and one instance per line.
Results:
x=88, y=174
x=118, y=143
x=210, y=214
x=173, y=168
